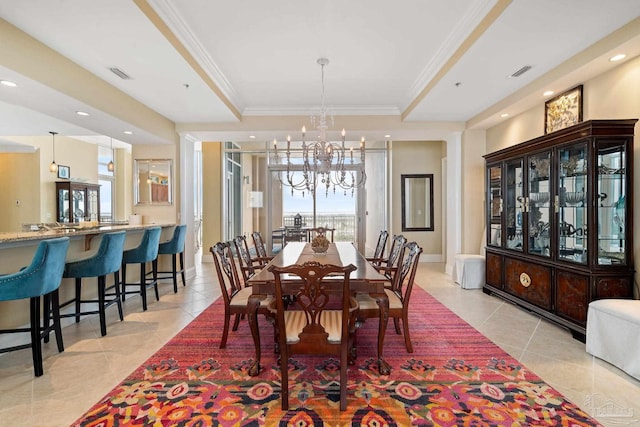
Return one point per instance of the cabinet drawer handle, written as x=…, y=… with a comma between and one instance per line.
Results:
x=525, y=280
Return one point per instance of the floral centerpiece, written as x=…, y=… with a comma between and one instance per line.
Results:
x=320, y=244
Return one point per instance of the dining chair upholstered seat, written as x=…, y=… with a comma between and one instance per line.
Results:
x=175, y=248
x=106, y=260
x=321, y=319
x=399, y=293
x=296, y=320
x=234, y=294
x=146, y=251
x=40, y=279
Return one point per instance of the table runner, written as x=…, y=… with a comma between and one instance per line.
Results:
x=332, y=256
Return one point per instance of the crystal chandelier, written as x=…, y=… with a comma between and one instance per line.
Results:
x=321, y=163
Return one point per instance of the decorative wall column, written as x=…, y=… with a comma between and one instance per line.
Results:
x=453, y=198
x=186, y=213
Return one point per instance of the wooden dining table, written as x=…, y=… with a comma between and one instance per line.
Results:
x=365, y=279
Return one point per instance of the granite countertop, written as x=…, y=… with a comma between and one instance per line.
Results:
x=70, y=231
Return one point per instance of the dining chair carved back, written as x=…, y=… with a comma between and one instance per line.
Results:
x=378, y=253
x=248, y=264
x=389, y=265
x=321, y=320
x=235, y=296
x=399, y=293
x=261, y=249
x=326, y=232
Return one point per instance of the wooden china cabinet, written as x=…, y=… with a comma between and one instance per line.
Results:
x=560, y=221
x=77, y=201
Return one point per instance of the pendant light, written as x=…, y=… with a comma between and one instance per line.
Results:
x=53, y=167
x=110, y=165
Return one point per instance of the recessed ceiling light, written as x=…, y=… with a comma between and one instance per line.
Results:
x=504, y=115
x=252, y=137
x=387, y=136
x=8, y=83
x=128, y=132
x=82, y=113
x=617, y=57
x=548, y=93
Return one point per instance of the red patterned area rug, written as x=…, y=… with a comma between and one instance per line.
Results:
x=455, y=377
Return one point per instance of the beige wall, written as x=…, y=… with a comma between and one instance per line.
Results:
x=410, y=157
x=19, y=195
x=612, y=95
x=123, y=185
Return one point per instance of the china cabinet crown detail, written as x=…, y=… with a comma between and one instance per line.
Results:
x=77, y=201
x=559, y=220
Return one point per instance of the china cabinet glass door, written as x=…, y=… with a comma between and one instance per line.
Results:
x=611, y=211
x=539, y=204
x=92, y=205
x=63, y=201
x=495, y=205
x=572, y=203
x=514, y=205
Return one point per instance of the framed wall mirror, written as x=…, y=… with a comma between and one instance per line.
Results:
x=153, y=182
x=417, y=202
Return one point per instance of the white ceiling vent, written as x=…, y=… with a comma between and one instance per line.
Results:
x=118, y=72
x=521, y=71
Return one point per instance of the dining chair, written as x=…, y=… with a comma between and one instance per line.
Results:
x=261, y=249
x=249, y=265
x=321, y=321
x=398, y=295
x=294, y=234
x=41, y=278
x=235, y=296
x=378, y=253
x=389, y=265
x=320, y=231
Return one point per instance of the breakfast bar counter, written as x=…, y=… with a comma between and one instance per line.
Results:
x=17, y=250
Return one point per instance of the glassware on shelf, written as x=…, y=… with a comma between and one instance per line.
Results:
x=574, y=197
x=539, y=198
x=618, y=217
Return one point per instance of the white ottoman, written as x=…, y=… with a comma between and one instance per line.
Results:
x=613, y=333
x=468, y=271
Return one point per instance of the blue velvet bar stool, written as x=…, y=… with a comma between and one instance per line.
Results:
x=173, y=247
x=106, y=261
x=146, y=251
x=40, y=279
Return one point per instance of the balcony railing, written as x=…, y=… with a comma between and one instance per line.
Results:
x=344, y=224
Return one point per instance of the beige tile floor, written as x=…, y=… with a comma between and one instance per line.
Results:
x=92, y=365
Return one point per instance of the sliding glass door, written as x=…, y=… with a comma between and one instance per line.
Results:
x=256, y=200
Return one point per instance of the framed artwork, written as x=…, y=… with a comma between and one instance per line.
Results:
x=564, y=110
x=63, y=172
